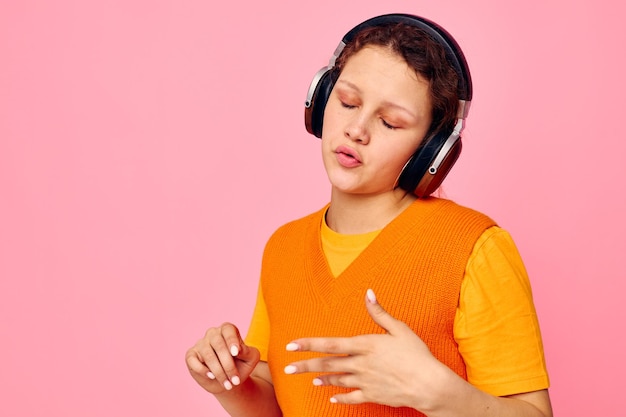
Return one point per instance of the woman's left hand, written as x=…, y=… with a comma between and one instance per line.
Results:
x=395, y=369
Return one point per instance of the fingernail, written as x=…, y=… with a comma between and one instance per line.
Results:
x=234, y=350
x=333, y=400
x=317, y=382
x=371, y=297
x=236, y=380
x=290, y=369
x=292, y=347
x=210, y=375
x=228, y=385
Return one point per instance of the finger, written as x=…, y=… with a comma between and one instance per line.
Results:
x=327, y=364
x=195, y=365
x=249, y=354
x=232, y=337
x=214, y=369
x=337, y=380
x=330, y=345
x=227, y=372
x=215, y=354
x=380, y=315
x=352, y=397
x=200, y=372
x=238, y=348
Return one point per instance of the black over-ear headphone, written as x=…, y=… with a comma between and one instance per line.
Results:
x=432, y=161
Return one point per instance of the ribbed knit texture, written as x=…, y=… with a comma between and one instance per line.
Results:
x=415, y=266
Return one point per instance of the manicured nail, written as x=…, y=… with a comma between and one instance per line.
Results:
x=318, y=382
x=292, y=347
x=228, y=385
x=234, y=350
x=371, y=297
x=210, y=375
x=290, y=369
x=333, y=400
x=236, y=380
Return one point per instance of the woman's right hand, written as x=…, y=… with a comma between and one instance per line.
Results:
x=221, y=360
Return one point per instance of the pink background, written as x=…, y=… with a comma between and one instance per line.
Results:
x=149, y=148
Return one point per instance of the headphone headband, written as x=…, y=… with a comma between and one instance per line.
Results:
x=454, y=54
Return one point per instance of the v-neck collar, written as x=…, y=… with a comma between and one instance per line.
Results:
x=355, y=278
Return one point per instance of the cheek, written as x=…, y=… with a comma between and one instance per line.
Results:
x=397, y=156
x=330, y=116
x=408, y=154
x=398, y=163
x=326, y=149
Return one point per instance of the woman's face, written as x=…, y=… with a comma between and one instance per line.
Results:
x=375, y=118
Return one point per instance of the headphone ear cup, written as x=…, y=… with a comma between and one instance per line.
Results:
x=314, y=112
x=419, y=174
x=431, y=181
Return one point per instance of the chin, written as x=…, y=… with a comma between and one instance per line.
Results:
x=356, y=189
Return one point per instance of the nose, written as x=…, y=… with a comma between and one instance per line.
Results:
x=357, y=129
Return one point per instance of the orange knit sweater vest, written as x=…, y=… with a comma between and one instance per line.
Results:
x=415, y=266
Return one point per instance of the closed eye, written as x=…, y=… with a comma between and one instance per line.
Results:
x=387, y=125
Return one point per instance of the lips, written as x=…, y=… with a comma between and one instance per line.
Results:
x=347, y=157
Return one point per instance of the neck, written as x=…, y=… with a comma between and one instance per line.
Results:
x=355, y=214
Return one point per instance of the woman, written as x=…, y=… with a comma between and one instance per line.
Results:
x=459, y=335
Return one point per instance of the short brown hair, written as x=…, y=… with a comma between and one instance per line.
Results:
x=422, y=53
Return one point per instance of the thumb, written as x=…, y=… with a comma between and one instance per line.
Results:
x=380, y=315
x=248, y=354
x=237, y=346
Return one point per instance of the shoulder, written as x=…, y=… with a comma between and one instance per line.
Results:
x=451, y=217
x=496, y=268
x=451, y=207
x=495, y=239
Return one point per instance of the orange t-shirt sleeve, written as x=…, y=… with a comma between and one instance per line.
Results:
x=496, y=325
x=259, y=330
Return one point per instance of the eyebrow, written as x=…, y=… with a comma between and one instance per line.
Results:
x=385, y=103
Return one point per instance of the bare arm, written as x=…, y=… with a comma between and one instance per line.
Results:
x=459, y=398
